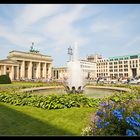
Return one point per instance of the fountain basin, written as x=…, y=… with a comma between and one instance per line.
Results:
x=89, y=91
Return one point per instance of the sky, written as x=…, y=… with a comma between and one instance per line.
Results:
x=107, y=29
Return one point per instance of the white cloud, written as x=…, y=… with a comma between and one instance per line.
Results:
x=21, y=40
x=61, y=29
x=33, y=13
x=58, y=25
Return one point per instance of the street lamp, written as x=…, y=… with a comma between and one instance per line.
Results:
x=70, y=52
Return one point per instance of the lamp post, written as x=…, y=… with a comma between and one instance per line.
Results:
x=70, y=52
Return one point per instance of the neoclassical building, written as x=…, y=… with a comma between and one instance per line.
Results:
x=26, y=65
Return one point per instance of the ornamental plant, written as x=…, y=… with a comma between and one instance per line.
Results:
x=5, y=79
x=111, y=118
x=53, y=101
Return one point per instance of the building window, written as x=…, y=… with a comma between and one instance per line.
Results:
x=125, y=69
x=133, y=56
x=121, y=59
x=126, y=74
x=125, y=66
x=120, y=62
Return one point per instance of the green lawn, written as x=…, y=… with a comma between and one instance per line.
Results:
x=25, y=120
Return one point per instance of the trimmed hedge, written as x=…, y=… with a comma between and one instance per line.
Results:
x=5, y=79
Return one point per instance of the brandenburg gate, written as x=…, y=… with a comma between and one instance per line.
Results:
x=26, y=65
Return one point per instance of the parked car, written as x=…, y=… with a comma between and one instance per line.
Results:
x=134, y=81
x=124, y=81
x=113, y=81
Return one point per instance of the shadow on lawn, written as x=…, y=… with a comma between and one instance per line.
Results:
x=13, y=122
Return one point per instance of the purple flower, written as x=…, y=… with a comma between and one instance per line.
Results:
x=106, y=105
x=100, y=113
x=103, y=104
x=102, y=124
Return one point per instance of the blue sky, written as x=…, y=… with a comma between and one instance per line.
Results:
x=107, y=29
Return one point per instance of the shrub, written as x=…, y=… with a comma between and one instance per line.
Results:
x=116, y=119
x=5, y=79
x=124, y=96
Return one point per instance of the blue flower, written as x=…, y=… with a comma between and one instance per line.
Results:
x=122, y=110
x=102, y=124
x=137, y=116
x=99, y=124
x=106, y=123
x=130, y=133
x=117, y=114
x=132, y=122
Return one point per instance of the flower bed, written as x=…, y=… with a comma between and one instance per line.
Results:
x=118, y=115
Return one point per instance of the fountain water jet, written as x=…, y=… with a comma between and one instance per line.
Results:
x=75, y=76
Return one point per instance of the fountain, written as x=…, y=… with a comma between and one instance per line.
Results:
x=75, y=82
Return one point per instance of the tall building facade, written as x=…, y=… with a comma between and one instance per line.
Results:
x=116, y=67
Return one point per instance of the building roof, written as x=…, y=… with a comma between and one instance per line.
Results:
x=29, y=53
x=125, y=57
x=9, y=61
